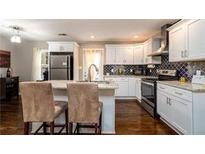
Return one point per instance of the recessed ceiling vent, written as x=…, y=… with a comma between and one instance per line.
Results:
x=62, y=34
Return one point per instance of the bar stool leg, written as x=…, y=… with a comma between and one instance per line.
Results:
x=66, y=120
x=52, y=127
x=44, y=128
x=96, y=128
x=100, y=124
x=26, y=128
x=71, y=128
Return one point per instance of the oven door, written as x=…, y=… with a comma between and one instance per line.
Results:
x=148, y=92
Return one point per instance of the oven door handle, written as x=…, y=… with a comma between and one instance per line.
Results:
x=147, y=83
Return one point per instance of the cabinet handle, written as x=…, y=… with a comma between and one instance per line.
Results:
x=186, y=53
x=178, y=93
x=169, y=101
x=161, y=87
x=182, y=54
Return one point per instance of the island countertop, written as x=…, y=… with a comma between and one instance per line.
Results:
x=186, y=86
x=62, y=84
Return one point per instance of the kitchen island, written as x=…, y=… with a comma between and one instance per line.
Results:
x=106, y=96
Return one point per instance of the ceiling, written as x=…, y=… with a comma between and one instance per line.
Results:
x=80, y=30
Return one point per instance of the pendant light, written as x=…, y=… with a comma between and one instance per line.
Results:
x=15, y=38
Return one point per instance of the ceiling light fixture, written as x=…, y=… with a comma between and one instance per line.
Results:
x=15, y=38
x=135, y=36
x=92, y=36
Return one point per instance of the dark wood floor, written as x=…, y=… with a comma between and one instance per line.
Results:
x=130, y=119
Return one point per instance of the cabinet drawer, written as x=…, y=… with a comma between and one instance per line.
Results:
x=183, y=94
x=163, y=88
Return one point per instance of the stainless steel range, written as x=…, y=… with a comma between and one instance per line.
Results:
x=149, y=89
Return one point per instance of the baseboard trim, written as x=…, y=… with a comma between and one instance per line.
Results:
x=172, y=127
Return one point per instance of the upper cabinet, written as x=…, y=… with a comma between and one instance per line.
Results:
x=187, y=41
x=61, y=46
x=133, y=54
x=138, y=54
x=150, y=46
x=110, y=55
x=195, y=39
x=177, y=44
x=124, y=55
x=119, y=54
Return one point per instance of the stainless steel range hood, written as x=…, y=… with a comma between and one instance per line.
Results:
x=163, y=50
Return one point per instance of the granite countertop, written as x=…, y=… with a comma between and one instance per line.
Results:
x=186, y=86
x=61, y=84
x=128, y=76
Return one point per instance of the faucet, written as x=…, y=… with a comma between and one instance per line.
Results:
x=89, y=71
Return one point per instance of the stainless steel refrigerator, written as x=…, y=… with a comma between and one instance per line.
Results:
x=61, y=66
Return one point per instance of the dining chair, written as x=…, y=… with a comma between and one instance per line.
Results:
x=39, y=106
x=85, y=109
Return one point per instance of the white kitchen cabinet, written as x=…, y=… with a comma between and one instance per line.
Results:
x=177, y=44
x=150, y=46
x=61, y=46
x=187, y=41
x=181, y=114
x=163, y=108
x=138, y=55
x=195, y=30
x=119, y=54
x=126, y=87
x=124, y=55
x=123, y=88
x=132, y=87
x=110, y=55
x=138, y=89
x=175, y=106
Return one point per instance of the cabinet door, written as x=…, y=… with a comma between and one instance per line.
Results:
x=61, y=47
x=177, y=44
x=163, y=109
x=124, y=55
x=139, y=55
x=132, y=87
x=122, y=88
x=181, y=111
x=110, y=55
x=195, y=39
x=138, y=89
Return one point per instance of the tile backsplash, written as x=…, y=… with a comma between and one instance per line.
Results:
x=185, y=69
x=128, y=69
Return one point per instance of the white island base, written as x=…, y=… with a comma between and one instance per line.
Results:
x=106, y=96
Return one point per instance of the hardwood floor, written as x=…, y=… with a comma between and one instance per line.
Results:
x=130, y=119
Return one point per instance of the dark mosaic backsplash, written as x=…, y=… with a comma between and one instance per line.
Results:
x=128, y=69
x=185, y=69
x=181, y=67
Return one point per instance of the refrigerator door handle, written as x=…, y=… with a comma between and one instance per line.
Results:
x=68, y=69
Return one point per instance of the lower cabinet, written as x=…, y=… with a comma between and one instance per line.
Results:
x=129, y=87
x=175, y=110
x=132, y=87
x=138, y=88
x=123, y=88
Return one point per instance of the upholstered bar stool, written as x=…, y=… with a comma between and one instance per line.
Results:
x=39, y=106
x=84, y=107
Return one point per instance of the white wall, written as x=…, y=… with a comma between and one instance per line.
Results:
x=21, y=56
x=25, y=53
